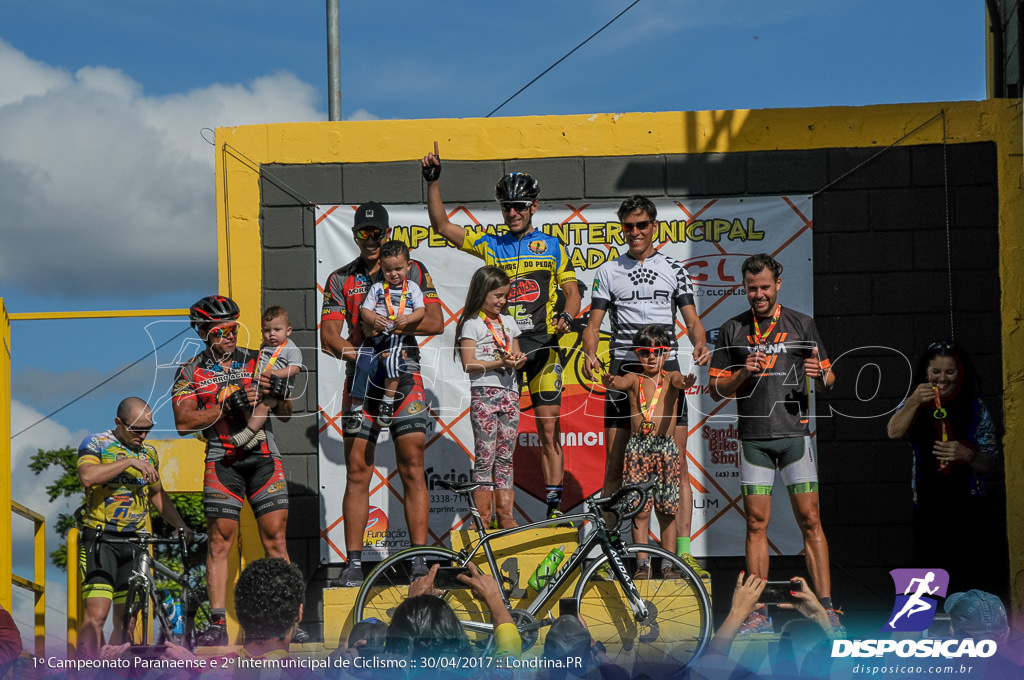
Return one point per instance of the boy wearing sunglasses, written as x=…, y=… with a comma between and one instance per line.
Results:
x=651, y=450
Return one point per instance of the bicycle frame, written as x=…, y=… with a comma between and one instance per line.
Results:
x=564, y=574
x=144, y=565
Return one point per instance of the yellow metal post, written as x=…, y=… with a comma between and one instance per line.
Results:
x=74, y=592
x=6, y=563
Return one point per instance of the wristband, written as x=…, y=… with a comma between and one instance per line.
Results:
x=432, y=172
x=566, y=317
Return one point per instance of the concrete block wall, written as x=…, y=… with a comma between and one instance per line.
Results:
x=880, y=281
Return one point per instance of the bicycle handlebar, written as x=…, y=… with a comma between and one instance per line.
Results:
x=627, y=502
x=144, y=538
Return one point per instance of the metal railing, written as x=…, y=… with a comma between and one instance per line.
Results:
x=37, y=586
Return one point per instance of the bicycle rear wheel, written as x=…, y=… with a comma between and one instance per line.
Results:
x=387, y=586
x=136, y=614
x=197, y=615
x=678, y=625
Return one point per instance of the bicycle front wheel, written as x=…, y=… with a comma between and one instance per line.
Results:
x=387, y=586
x=136, y=614
x=675, y=631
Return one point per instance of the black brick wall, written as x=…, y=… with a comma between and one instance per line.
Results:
x=880, y=281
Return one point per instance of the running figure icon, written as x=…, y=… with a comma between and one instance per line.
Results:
x=916, y=604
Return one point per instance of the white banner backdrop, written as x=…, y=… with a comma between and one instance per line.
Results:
x=711, y=236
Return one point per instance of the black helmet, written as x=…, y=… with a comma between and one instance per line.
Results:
x=517, y=186
x=213, y=308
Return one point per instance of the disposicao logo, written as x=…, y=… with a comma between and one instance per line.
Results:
x=915, y=598
x=914, y=610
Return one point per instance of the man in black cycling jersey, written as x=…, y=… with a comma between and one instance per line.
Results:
x=637, y=289
x=344, y=292
x=121, y=476
x=541, y=273
x=213, y=394
x=765, y=359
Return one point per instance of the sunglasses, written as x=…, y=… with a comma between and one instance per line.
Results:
x=135, y=429
x=224, y=331
x=640, y=226
x=369, y=234
x=648, y=351
x=942, y=346
x=518, y=206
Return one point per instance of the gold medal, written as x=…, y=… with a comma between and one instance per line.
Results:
x=647, y=412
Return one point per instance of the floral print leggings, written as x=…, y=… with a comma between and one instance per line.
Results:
x=494, y=413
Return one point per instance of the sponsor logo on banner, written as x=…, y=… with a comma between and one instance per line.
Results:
x=715, y=270
x=376, y=527
x=723, y=444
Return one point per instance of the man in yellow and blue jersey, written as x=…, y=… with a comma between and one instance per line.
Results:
x=544, y=299
x=121, y=476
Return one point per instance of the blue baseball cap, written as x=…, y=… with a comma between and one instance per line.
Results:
x=976, y=613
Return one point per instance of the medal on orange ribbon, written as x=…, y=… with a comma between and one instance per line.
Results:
x=392, y=314
x=503, y=341
x=940, y=415
x=646, y=412
x=761, y=339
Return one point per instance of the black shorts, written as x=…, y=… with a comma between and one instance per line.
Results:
x=616, y=404
x=260, y=479
x=410, y=416
x=104, y=567
x=542, y=372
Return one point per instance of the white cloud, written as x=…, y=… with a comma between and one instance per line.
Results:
x=23, y=77
x=107, y=190
x=30, y=490
x=362, y=114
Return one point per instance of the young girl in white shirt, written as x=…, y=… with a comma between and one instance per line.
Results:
x=489, y=351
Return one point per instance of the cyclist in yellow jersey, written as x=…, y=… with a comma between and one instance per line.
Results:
x=120, y=473
x=541, y=274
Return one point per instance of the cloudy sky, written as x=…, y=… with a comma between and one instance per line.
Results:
x=107, y=186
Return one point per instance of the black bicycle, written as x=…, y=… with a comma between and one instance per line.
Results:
x=142, y=590
x=650, y=625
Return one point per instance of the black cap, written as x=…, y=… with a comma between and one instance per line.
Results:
x=370, y=214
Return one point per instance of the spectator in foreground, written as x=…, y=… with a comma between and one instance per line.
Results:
x=10, y=641
x=569, y=640
x=268, y=602
x=982, y=616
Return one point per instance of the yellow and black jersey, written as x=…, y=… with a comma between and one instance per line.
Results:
x=538, y=266
x=121, y=504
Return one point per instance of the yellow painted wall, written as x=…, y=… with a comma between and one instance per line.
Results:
x=999, y=121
